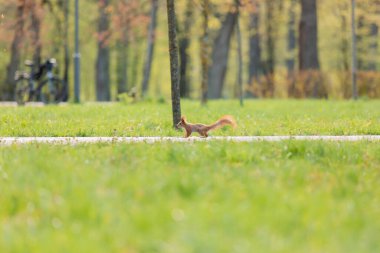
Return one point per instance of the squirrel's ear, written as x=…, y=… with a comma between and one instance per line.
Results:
x=183, y=118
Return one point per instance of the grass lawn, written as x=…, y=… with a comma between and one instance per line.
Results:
x=257, y=117
x=288, y=196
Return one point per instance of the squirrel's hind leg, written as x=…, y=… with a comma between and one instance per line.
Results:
x=204, y=134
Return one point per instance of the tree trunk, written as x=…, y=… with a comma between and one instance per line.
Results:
x=354, y=53
x=8, y=90
x=269, y=68
x=239, y=54
x=344, y=51
x=219, y=56
x=184, y=43
x=205, y=54
x=36, y=33
x=373, y=37
x=308, y=47
x=291, y=47
x=344, y=44
x=103, y=58
x=373, y=46
x=151, y=42
x=77, y=56
x=65, y=95
x=270, y=43
x=308, y=36
x=255, y=67
x=135, y=63
x=361, y=47
x=173, y=51
x=122, y=62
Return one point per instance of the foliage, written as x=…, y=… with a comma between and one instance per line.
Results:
x=132, y=16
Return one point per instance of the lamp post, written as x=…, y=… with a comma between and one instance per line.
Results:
x=76, y=56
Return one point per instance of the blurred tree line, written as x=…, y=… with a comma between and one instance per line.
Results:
x=254, y=48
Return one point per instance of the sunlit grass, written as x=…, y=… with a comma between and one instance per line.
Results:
x=289, y=196
x=257, y=117
x=201, y=197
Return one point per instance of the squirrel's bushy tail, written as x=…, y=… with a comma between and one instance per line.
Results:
x=224, y=120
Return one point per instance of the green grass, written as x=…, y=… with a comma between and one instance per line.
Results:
x=260, y=117
x=191, y=197
x=289, y=196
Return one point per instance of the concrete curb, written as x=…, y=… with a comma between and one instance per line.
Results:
x=6, y=141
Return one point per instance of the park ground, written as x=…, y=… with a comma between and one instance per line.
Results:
x=289, y=196
x=259, y=117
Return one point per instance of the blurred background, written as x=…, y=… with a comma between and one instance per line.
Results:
x=288, y=49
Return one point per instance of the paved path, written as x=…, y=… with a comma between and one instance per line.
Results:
x=28, y=104
x=4, y=141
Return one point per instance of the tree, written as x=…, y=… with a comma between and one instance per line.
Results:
x=103, y=58
x=63, y=5
x=121, y=22
x=373, y=36
x=239, y=54
x=67, y=51
x=130, y=25
x=353, y=70
x=308, y=46
x=291, y=47
x=308, y=36
x=270, y=45
x=77, y=57
x=254, y=44
x=151, y=42
x=136, y=61
x=14, y=62
x=359, y=37
x=204, y=51
x=122, y=44
x=184, y=43
x=373, y=46
x=219, y=56
x=36, y=16
x=344, y=42
x=367, y=31
x=174, y=68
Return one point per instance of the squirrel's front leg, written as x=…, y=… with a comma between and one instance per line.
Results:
x=188, y=133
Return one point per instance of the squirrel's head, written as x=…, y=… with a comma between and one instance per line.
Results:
x=182, y=122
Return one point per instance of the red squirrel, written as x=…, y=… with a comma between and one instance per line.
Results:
x=203, y=129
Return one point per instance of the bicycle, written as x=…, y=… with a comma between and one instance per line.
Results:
x=27, y=90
